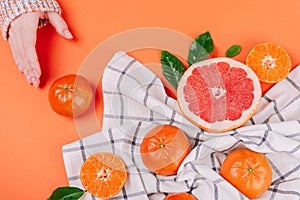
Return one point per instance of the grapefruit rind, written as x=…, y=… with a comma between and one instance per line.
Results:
x=225, y=125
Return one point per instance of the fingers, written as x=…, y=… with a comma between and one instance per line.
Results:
x=15, y=53
x=22, y=39
x=60, y=25
x=32, y=67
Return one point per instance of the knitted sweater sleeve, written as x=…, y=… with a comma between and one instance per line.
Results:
x=11, y=9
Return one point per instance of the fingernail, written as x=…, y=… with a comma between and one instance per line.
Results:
x=35, y=82
x=68, y=34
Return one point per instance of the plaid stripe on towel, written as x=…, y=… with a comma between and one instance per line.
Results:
x=135, y=101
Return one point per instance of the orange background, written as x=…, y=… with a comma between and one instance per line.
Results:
x=32, y=135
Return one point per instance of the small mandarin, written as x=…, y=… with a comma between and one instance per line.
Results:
x=180, y=196
x=70, y=95
x=250, y=172
x=164, y=148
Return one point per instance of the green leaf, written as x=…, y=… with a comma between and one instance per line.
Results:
x=200, y=48
x=172, y=67
x=233, y=50
x=66, y=193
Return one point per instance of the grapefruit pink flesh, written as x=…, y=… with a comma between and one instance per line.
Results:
x=218, y=90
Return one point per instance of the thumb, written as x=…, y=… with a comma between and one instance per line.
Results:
x=60, y=25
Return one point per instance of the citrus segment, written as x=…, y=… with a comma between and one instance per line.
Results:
x=269, y=61
x=250, y=172
x=180, y=196
x=103, y=175
x=218, y=94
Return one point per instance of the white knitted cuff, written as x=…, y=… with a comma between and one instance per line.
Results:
x=11, y=9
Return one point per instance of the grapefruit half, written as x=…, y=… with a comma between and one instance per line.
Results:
x=219, y=94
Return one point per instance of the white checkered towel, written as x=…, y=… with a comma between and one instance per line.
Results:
x=135, y=101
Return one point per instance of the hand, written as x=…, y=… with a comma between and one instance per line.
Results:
x=22, y=40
